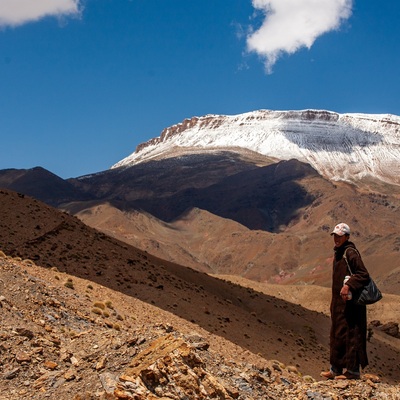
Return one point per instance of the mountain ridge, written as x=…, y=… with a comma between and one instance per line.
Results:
x=339, y=146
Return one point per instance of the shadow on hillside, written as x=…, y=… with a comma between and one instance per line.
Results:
x=223, y=183
x=264, y=198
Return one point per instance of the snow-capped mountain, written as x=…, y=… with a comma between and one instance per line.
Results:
x=340, y=146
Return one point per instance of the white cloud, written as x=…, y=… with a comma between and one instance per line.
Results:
x=289, y=25
x=18, y=12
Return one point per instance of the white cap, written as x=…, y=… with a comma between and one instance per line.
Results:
x=341, y=229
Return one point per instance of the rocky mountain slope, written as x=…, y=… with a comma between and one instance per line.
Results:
x=84, y=316
x=339, y=146
x=72, y=339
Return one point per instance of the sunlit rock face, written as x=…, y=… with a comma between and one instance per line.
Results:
x=339, y=146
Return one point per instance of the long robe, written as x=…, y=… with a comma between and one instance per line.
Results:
x=348, y=337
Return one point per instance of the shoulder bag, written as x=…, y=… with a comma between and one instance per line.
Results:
x=369, y=294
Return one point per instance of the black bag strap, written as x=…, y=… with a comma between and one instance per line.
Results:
x=345, y=257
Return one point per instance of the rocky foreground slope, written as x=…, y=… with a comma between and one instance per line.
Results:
x=67, y=338
x=93, y=318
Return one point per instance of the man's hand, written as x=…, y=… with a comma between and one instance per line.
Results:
x=344, y=292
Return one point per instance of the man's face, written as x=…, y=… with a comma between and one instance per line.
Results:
x=339, y=240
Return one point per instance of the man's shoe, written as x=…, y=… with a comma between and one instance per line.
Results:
x=328, y=375
x=347, y=375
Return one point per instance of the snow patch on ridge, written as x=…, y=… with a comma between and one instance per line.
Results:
x=339, y=146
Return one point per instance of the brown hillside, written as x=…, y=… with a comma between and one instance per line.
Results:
x=231, y=213
x=260, y=323
x=300, y=253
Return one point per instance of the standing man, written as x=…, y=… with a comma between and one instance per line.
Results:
x=348, y=336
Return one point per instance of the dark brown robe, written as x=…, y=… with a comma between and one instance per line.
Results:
x=348, y=337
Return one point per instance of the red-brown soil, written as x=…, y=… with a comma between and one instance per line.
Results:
x=263, y=324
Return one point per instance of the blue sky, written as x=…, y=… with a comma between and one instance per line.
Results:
x=82, y=83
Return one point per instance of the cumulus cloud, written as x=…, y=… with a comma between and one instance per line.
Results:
x=18, y=12
x=289, y=25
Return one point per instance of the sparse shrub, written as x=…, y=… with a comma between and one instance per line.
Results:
x=57, y=277
x=97, y=311
x=117, y=327
x=109, y=305
x=69, y=284
x=106, y=314
x=292, y=369
x=99, y=304
x=120, y=317
x=90, y=287
x=28, y=262
x=278, y=363
x=54, y=269
x=17, y=259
